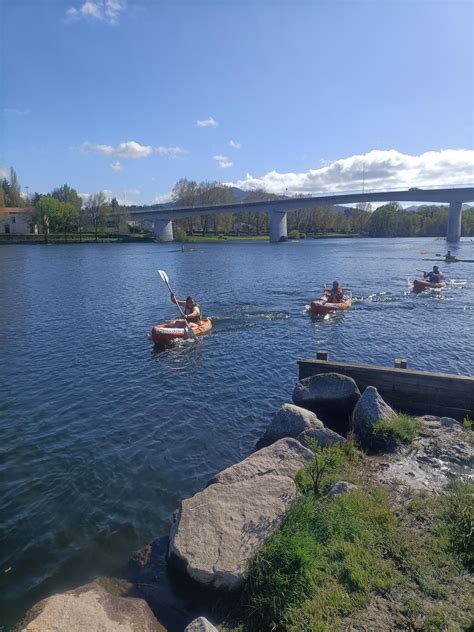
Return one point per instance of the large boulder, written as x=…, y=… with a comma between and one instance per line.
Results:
x=201, y=624
x=96, y=607
x=217, y=532
x=324, y=436
x=370, y=408
x=331, y=396
x=289, y=421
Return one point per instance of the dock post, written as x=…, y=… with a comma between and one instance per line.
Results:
x=400, y=363
x=322, y=355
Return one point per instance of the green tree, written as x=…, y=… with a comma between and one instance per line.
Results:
x=67, y=195
x=47, y=214
x=96, y=210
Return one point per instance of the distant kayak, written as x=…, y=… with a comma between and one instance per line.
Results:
x=420, y=286
x=322, y=305
x=176, y=330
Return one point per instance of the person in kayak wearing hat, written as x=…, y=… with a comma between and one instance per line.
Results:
x=190, y=308
x=434, y=276
x=335, y=294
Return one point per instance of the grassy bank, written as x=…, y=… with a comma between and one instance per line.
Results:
x=373, y=558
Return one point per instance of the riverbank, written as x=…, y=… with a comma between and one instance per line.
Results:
x=74, y=238
x=312, y=531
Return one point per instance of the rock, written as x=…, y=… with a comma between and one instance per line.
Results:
x=369, y=409
x=289, y=421
x=341, y=487
x=331, y=396
x=324, y=436
x=95, y=607
x=283, y=458
x=449, y=422
x=218, y=531
x=200, y=625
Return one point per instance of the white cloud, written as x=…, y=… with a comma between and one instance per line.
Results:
x=102, y=10
x=235, y=144
x=16, y=111
x=131, y=150
x=173, y=152
x=116, y=166
x=379, y=169
x=209, y=122
x=223, y=161
x=162, y=199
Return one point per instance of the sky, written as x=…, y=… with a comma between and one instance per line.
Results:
x=295, y=96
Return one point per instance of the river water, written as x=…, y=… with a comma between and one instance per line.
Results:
x=100, y=436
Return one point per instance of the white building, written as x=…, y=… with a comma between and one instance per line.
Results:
x=16, y=221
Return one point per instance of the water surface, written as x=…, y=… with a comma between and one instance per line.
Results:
x=100, y=437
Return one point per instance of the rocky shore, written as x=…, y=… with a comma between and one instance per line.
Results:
x=216, y=533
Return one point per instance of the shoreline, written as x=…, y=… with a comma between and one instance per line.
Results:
x=178, y=578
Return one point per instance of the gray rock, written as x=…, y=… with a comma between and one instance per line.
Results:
x=200, y=625
x=289, y=421
x=331, y=396
x=324, y=436
x=369, y=409
x=341, y=487
x=449, y=422
x=283, y=458
x=218, y=531
x=95, y=607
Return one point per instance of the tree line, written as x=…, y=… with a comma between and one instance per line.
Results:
x=64, y=211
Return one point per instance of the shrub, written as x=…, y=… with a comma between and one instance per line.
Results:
x=294, y=234
x=400, y=429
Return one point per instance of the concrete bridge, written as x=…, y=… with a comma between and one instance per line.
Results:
x=278, y=209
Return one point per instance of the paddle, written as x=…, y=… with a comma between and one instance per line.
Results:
x=164, y=277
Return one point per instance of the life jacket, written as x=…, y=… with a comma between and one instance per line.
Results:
x=336, y=296
x=194, y=319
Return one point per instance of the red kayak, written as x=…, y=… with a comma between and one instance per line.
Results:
x=420, y=286
x=177, y=330
x=322, y=306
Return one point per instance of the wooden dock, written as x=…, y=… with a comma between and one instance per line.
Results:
x=406, y=390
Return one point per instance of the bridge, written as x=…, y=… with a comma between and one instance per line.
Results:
x=278, y=209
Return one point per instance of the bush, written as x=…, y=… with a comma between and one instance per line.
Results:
x=180, y=235
x=400, y=429
x=294, y=234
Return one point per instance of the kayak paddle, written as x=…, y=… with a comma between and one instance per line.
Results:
x=166, y=281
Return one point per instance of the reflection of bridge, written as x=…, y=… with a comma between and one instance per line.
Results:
x=278, y=209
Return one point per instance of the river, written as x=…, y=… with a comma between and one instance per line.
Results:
x=100, y=436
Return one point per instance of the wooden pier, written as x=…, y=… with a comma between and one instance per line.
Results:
x=406, y=390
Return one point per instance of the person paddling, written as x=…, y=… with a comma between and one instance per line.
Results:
x=434, y=276
x=190, y=308
x=335, y=294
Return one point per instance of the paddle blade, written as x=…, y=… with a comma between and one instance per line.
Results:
x=164, y=276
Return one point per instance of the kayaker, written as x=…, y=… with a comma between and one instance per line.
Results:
x=449, y=258
x=434, y=276
x=335, y=294
x=190, y=308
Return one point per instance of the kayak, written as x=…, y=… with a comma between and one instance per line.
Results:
x=322, y=306
x=420, y=286
x=176, y=330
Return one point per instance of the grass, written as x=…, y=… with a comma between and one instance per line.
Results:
x=400, y=429
x=330, y=559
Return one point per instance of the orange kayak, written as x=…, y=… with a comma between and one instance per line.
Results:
x=419, y=286
x=322, y=306
x=176, y=330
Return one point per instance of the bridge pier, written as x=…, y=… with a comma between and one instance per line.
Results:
x=454, y=221
x=163, y=229
x=278, y=226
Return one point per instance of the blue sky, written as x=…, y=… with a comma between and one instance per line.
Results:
x=107, y=94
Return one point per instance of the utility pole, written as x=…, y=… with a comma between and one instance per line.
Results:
x=363, y=177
